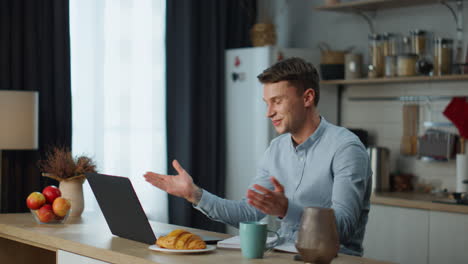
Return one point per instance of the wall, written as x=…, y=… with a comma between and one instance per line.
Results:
x=299, y=26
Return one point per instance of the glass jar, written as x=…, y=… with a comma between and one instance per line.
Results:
x=443, y=52
x=376, y=56
x=405, y=45
x=390, y=44
x=390, y=66
x=418, y=42
x=406, y=64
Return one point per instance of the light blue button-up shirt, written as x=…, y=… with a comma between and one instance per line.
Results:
x=330, y=169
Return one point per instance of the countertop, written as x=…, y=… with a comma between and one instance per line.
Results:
x=89, y=236
x=417, y=201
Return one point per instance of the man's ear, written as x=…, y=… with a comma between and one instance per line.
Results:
x=309, y=97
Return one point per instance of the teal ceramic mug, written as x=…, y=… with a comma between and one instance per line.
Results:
x=253, y=236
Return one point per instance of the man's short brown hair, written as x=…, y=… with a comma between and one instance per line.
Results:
x=297, y=72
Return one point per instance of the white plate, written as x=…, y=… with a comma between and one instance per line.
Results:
x=182, y=251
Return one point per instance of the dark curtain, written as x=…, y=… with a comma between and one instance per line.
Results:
x=35, y=55
x=197, y=34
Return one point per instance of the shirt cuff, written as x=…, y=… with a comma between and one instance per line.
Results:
x=293, y=215
x=206, y=202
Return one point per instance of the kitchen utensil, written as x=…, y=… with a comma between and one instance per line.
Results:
x=401, y=182
x=253, y=237
x=376, y=53
x=443, y=52
x=460, y=198
x=406, y=64
x=409, y=139
x=353, y=66
x=465, y=70
x=332, y=57
x=329, y=56
x=418, y=42
x=437, y=144
x=380, y=165
x=424, y=66
x=461, y=172
x=317, y=239
x=332, y=71
x=390, y=66
x=460, y=68
x=390, y=44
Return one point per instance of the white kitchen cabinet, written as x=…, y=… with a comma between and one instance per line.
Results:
x=65, y=257
x=448, y=234
x=397, y=234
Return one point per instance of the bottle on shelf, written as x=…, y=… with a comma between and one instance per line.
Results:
x=443, y=53
x=376, y=55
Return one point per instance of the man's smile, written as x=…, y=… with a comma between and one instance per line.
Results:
x=276, y=122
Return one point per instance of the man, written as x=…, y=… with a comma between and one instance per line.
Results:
x=312, y=163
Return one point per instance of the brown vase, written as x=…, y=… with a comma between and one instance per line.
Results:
x=317, y=239
x=73, y=190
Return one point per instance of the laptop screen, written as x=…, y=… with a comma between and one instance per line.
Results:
x=121, y=208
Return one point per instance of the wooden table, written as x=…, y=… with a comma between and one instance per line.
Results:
x=89, y=240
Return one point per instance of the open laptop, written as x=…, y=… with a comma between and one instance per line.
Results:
x=122, y=209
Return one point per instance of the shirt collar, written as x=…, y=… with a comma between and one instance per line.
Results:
x=312, y=138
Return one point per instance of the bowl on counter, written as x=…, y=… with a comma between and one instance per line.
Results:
x=48, y=217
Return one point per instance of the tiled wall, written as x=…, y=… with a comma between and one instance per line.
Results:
x=383, y=120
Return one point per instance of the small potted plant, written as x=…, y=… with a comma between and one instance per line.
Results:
x=70, y=172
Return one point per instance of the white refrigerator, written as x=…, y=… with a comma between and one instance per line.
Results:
x=249, y=131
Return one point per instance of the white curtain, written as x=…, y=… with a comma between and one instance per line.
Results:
x=118, y=92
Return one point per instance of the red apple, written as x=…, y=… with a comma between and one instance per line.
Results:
x=51, y=192
x=35, y=200
x=61, y=206
x=45, y=213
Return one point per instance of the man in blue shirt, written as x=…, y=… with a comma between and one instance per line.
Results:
x=312, y=163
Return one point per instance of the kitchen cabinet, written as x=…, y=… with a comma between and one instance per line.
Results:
x=65, y=257
x=448, y=234
x=12, y=250
x=397, y=234
x=409, y=236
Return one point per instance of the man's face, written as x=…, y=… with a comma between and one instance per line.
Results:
x=285, y=107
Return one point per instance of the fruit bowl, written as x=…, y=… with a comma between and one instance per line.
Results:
x=54, y=219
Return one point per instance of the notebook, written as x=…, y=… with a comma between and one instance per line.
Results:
x=234, y=243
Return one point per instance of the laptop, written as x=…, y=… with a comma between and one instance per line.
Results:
x=122, y=209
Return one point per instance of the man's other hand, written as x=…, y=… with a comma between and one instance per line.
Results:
x=268, y=201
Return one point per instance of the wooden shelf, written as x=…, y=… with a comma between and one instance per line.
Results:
x=457, y=77
x=372, y=5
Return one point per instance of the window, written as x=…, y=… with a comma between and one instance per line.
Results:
x=118, y=92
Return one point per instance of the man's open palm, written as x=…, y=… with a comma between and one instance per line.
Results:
x=180, y=185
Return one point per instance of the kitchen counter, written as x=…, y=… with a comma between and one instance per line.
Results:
x=417, y=201
x=89, y=236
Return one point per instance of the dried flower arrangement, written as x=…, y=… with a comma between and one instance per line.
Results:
x=61, y=165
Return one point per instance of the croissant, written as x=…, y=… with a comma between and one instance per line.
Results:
x=181, y=239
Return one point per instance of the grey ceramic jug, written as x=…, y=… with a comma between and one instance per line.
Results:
x=317, y=239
